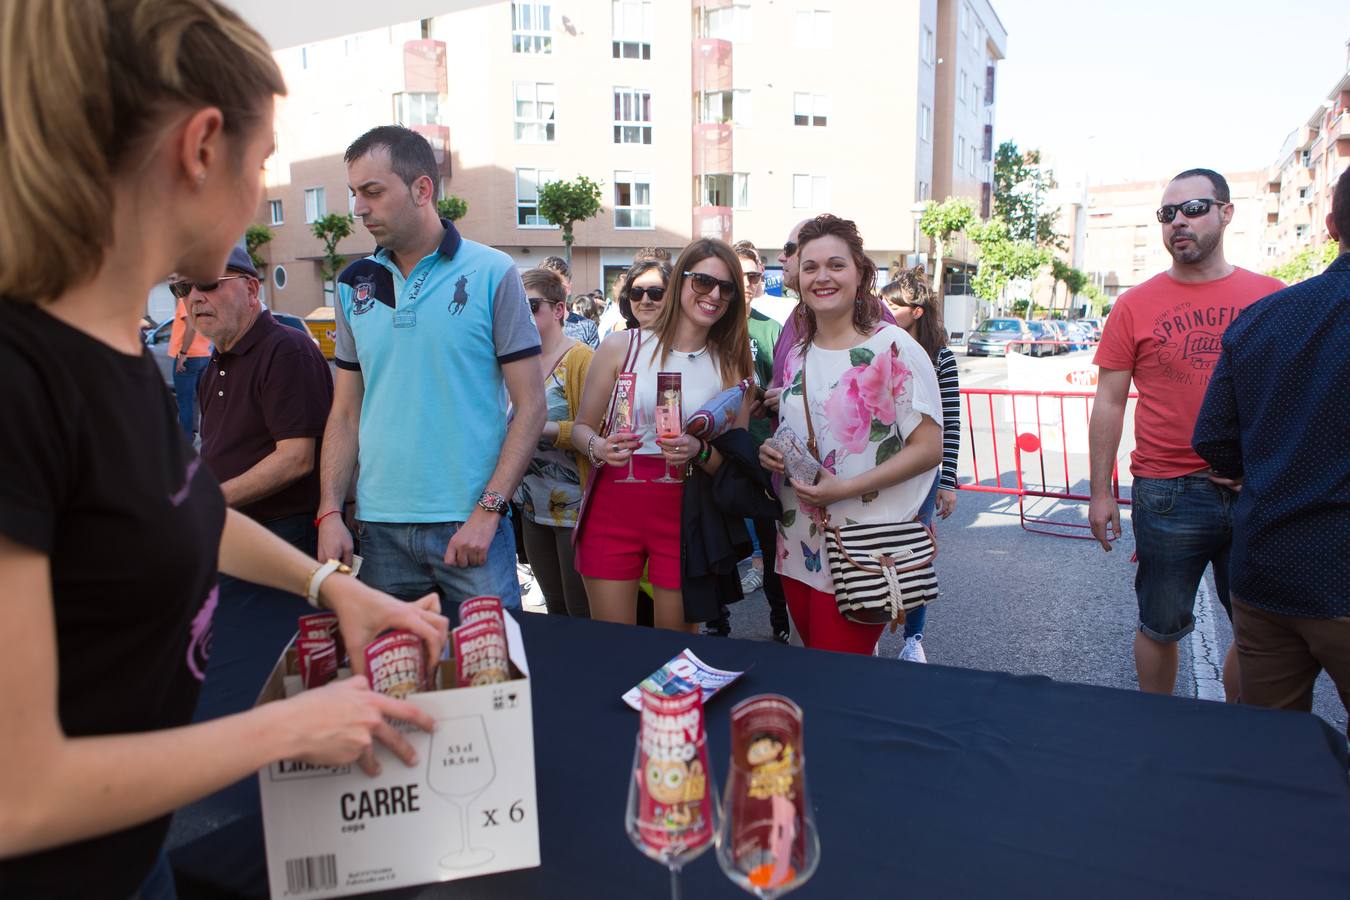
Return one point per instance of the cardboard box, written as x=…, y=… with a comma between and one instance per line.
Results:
x=336, y=831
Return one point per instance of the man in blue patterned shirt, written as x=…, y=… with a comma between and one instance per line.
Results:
x=1275, y=425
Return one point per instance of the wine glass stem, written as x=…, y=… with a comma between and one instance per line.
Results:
x=676, y=886
x=463, y=826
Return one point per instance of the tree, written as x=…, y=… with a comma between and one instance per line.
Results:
x=1003, y=259
x=330, y=229
x=255, y=237
x=1074, y=280
x=1021, y=189
x=941, y=221
x=1306, y=263
x=564, y=203
x=452, y=208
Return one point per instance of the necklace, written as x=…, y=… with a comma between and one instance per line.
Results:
x=697, y=353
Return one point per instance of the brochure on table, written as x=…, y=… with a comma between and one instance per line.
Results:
x=467, y=808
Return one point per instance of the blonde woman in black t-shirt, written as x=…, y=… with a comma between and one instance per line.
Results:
x=133, y=135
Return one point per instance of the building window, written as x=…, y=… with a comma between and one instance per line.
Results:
x=731, y=190
x=810, y=109
x=416, y=109
x=528, y=182
x=925, y=191
x=632, y=200
x=279, y=277
x=531, y=27
x=633, y=29
x=1300, y=232
x=316, y=205
x=925, y=122
x=810, y=192
x=960, y=152
x=974, y=160
x=534, y=112
x=725, y=107
x=815, y=29
x=307, y=56
x=730, y=23
x=965, y=19
x=928, y=46
x=1304, y=193
x=274, y=207
x=632, y=116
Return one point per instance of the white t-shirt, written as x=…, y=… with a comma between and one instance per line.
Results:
x=700, y=381
x=865, y=402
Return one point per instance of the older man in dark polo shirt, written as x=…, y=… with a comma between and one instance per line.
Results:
x=264, y=401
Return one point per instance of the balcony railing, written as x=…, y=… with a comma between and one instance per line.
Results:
x=424, y=67
x=713, y=148
x=713, y=221
x=439, y=138
x=712, y=65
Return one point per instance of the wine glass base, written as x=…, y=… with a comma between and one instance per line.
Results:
x=469, y=858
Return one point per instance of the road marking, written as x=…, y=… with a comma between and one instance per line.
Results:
x=1206, y=660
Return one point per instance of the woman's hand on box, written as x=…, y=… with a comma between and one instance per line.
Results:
x=338, y=723
x=363, y=613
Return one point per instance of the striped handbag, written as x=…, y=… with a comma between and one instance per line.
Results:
x=880, y=570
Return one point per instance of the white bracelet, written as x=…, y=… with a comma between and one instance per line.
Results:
x=316, y=579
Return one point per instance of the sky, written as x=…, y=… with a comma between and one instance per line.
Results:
x=1141, y=90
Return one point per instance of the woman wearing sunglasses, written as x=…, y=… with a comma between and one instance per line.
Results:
x=550, y=493
x=910, y=297
x=700, y=333
x=643, y=292
x=111, y=530
x=874, y=408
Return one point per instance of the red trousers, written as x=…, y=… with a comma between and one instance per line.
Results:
x=821, y=626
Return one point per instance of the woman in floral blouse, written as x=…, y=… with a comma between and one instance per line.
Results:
x=875, y=408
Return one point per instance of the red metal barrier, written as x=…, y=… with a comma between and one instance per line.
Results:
x=1035, y=430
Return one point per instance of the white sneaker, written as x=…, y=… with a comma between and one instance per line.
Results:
x=752, y=580
x=530, y=592
x=913, y=650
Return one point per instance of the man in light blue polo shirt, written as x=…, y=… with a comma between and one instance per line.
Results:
x=430, y=327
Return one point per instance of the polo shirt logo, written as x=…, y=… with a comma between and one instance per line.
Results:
x=461, y=298
x=364, y=293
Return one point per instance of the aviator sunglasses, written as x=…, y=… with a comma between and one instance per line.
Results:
x=180, y=289
x=704, y=284
x=1191, y=209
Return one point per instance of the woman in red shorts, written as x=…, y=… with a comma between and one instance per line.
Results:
x=699, y=333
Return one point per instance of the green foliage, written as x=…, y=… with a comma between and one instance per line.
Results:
x=1020, y=308
x=452, y=208
x=564, y=203
x=1074, y=280
x=1003, y=259
x=331, y=229
x=1309, y=261
x=952, y=216
x=1021, y=189
x=255, y=237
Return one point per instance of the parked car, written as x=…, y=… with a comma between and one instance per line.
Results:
x=1081, y=335
x=993, y=337
x=1044, y=338
x=157, y=339
x=1096, y=325
x=1054, y=331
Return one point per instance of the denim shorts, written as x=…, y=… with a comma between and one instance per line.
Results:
x=408, y=561
x=1181, y=525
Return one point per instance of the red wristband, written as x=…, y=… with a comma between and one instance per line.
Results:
x=331, y=512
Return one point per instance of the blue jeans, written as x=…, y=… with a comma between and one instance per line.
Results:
x=185, y=391
x=408, y=561
x=754, y=539
x=1181, y=525
x=916, y=618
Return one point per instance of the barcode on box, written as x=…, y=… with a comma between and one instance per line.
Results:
x=311, y=873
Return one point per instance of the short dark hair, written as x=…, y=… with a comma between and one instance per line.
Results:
x=410, y=156
x=746, y=250
x=1217, y=181
x=1340, y=207
x=556, y=264
x=547, y=282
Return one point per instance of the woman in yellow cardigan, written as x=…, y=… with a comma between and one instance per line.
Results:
x=550, y=493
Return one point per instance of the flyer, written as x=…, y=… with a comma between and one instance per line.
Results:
x=683, y=673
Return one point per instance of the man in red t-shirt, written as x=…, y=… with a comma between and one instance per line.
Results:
x=1164, y=334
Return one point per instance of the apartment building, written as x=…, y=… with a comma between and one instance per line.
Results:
x=1121, y=240
x=1304, y=176
x=730, y=118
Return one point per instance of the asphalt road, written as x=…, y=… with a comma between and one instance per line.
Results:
x=1029, y=604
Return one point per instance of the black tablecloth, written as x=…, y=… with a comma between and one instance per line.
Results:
x=927, y=782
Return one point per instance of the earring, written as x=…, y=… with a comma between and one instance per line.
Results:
x=201, y=179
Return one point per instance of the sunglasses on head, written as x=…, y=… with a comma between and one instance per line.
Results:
x=180, y=289
x=753, y=278
x=654, y=294
x=704, y=284
x=535, y=301
x=1191, y=209
x=789, y=248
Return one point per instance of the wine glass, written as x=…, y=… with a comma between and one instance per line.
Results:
x=669, y=425
x=672, y=834
x=631, y=427
x=767, y=842
x=459, y=768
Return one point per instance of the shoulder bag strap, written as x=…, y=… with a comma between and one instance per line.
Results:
x=629, y=360
x=806, y=406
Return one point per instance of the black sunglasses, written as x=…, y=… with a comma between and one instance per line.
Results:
x=704, y=284
x=789, y=248
x=654, y=294
x=754, y=278
x=1191, y=209
x=180, y=289
x=535, y=301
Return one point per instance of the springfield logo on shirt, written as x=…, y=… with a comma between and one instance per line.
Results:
x=1190, y=340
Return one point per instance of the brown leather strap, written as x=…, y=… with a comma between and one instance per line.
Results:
x=806, y=405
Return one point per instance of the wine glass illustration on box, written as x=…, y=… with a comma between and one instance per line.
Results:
x=459, y=768
x=767, y=842
x=629, y=418
x=668, y=825
x=669, y=417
